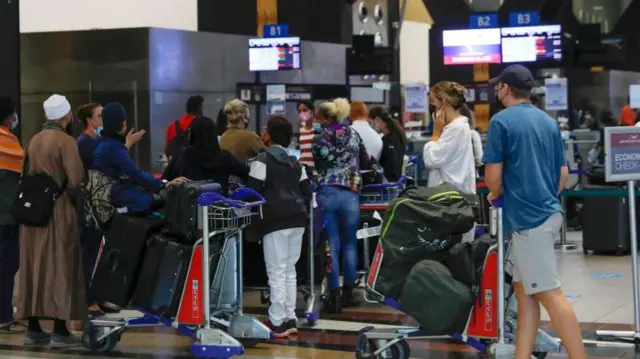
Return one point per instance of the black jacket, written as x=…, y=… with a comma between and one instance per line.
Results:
x=285, y=186
x=392, y=157
x=186, y=164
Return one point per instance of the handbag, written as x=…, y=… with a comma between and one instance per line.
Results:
x=37, y=194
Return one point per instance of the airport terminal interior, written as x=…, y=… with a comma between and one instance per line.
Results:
x=281, y=58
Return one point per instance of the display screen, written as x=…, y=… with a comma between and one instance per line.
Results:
x=274, y=54
x=532, y=43
x=475, y=46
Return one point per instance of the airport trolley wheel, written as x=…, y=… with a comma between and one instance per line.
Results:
x=399, y=350
x=248, y=343
x=91, y=333
x=540, y=355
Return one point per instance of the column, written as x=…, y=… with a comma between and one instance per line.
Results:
x=10, y=45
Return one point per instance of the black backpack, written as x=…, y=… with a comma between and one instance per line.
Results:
x=35, y=200
x=175, y=146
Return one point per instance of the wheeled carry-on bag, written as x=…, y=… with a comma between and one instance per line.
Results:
x=115, y=277
x=181, y=210
x=162, y=276
x=606, y=226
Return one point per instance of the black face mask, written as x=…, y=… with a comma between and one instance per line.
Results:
x=69, y=128
x=432, y=109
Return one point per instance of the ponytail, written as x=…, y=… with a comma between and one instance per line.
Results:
x=394, y=126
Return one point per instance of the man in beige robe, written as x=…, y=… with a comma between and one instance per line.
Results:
x=50, y=280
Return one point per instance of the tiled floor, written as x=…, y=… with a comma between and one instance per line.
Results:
x=598, y=286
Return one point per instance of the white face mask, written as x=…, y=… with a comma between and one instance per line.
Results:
x=565, y=135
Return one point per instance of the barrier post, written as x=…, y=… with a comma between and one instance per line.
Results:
x=622, y=163
x=563, y=245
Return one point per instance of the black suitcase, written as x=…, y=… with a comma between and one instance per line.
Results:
x=115, y=276
x=606, y=225
x=162, y=276
x=181, y=210
x=319, y=260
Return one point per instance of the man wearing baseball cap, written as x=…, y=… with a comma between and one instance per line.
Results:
x=525, y=164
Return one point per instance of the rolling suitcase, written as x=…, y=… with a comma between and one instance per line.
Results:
x=181, y=210
x=162, y=276
x=606, y=225
x=115, y=276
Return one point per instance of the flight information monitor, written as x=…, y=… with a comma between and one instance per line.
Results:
x=532, y=43
x=473, y=46
x=274, y=54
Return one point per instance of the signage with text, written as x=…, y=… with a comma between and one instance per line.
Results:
x=524, y=18
x=622, y=153
x=483, y=21
x=277, y=30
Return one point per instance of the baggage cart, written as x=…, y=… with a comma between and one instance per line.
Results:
x=211, y=309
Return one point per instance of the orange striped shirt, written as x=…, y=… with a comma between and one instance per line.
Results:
x=11, y=152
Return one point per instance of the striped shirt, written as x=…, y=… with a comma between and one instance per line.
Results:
x=11, y=153
x=306, y=137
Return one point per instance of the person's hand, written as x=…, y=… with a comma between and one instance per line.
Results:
x=438, y=122
x=134, y=137
x=179, y=180
x=491, y=197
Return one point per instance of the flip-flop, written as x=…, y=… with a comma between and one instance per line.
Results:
x=12, y=328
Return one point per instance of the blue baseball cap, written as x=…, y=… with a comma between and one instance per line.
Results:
x=517, y=76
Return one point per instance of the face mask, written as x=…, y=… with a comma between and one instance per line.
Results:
x=98, y=131
x=305, y=116
x=14, y=124
x=565, y=135
x=432, y=109
x=317, y=126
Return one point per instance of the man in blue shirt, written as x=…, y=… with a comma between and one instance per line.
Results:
x=525, y=164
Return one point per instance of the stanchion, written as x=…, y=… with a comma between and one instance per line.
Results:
x=563, y=245
x=629, y=336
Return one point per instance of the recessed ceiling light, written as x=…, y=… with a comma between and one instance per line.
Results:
x=598, y=8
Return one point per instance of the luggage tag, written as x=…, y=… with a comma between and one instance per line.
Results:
x=314, y=202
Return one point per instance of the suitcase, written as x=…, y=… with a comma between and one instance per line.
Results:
x=366, y=218
x=162, y=276
x=181, y=210
x=115, y=276
x=606, y=225
x=319, y=260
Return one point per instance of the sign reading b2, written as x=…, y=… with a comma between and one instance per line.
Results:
x=483, y=21
x=524, y=18
x=277, y=30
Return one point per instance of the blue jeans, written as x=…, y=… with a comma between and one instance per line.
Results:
x=342, y=216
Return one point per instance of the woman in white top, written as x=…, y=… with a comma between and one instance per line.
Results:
x=360, y=122
x=476, y=140
x=449, y=154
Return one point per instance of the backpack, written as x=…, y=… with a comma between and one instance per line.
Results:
x=178, y=143
x=98, y=209
x=35, y=200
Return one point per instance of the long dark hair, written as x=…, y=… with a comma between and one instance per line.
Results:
x=394, y=127
x=203, y=142
x=221, y=122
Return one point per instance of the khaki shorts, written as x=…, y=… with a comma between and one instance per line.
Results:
x=534, y=256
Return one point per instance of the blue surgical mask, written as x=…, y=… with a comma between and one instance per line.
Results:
x=14, y=124
x=565, y=135
x=98, y=131
x=316, y=126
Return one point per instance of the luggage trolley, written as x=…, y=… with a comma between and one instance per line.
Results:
x=485, y=329
x=375, y=198
x=211, y=309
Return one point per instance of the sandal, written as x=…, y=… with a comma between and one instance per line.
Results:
x=12, y=328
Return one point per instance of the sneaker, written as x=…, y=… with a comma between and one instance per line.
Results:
x=64, y=342
x=36, y=338
x=291, y=325
x=279, y=331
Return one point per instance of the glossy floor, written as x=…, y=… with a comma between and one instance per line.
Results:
x=599, y=288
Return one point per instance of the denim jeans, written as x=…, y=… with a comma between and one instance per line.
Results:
x=342, y=216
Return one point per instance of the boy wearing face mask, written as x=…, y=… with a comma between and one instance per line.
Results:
x=11, y=157
x=308, y=129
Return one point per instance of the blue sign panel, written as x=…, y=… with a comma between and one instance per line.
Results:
x=524, y=18
x=483, y=21
x=277, y=30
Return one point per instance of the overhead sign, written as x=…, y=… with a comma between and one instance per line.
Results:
x=483, y=21
x=276, y=30
x=557, y=94
x=276, y=97
x=622, y=153
x=524, y=18
x=415, y=98
x=634, y=96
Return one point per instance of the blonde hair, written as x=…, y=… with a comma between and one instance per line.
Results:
x=236, y=111
x=449, y=92
x=336, y=110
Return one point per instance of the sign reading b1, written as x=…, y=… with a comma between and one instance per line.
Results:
x=622, y=153
x=524, y=18
x=277, y=30
x=483, y=21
